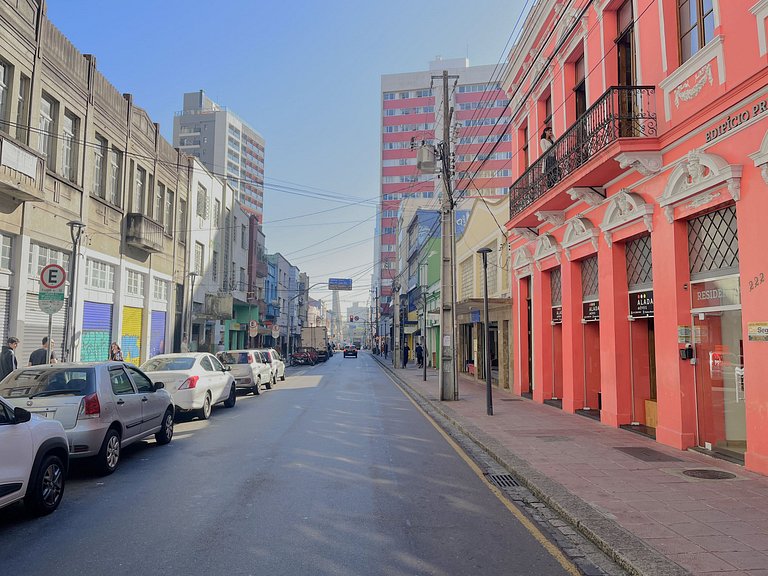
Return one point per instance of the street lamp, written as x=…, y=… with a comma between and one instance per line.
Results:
x=423, y=273
x=192, y=276
x=76, y=228
x=488, y=395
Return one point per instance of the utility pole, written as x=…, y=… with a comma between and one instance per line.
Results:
x=448, y=381
x=376, y=338
x=396, y=325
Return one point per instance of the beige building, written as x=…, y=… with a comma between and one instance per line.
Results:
x=484, y=230
x=84, y=171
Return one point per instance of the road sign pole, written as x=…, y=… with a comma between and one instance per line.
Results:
x=50, y=335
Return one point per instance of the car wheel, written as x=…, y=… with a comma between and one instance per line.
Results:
x=282, y=378
x=232, y=398
x=47, y=488
x=270, y=382
x=166, y=432
x=205, y=412
x=257, y=389
x=109, y=455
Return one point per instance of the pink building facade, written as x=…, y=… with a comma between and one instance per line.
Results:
x=638, y=267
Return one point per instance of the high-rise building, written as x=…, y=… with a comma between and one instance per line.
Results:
x=225, y=145
x=411, y=116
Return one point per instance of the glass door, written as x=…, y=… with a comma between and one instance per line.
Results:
x=721, y=411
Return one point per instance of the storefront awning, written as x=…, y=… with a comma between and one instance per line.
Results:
x=498, y=309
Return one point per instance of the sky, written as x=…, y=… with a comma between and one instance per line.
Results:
x=304, y=74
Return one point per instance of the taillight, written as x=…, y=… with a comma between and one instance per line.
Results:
x=89, y=407
x=189, y=383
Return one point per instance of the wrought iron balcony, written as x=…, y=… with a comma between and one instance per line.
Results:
x=22, y=171
x=622, y=112
x=144, y=233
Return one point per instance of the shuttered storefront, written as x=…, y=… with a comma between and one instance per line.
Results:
x=36, y=328
x=5, y=315
x=97, y=332
x=157, y=334
x=130, y=338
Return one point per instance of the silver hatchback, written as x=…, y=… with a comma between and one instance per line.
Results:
x=103, y=406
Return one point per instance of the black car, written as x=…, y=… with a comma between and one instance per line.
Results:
x=350, y=350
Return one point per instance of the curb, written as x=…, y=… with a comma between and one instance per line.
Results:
x=627, y=550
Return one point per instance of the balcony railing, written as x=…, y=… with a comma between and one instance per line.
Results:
x=144, y=233
x=622, y=112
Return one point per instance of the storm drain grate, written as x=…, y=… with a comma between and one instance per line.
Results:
x=511, y=399
x=648, y=454
x=709, y=474
x=502, y=480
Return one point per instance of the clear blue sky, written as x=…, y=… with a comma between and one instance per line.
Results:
x=306, y=75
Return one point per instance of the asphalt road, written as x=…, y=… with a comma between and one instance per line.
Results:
x=333, y=472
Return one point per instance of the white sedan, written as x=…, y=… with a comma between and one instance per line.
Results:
x=195, y=380
x=276, y=362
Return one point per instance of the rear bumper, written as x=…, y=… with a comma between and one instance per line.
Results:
x=189, y=399
x=85, y=439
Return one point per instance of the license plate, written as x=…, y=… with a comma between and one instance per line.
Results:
x=46, y=414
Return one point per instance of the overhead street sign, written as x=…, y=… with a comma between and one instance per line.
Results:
x=339, y=283
x=51, y=296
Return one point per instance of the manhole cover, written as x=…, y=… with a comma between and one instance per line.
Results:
x=648, y=454
x=709, y=474
x=502, y=480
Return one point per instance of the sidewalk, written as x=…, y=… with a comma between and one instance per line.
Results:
x=625, y=492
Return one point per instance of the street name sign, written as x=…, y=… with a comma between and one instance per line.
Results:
x=339, y=283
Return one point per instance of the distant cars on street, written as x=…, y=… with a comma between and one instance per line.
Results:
x=276, y=362
x=34, y=458
x=250, y=368
x=196, y=381
x=350, y=350
x=103, y=406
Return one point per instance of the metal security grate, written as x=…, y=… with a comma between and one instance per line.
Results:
x=589, y=283
x=713, y=242
x=555, y=278
x=502, y=480
x=639, y=266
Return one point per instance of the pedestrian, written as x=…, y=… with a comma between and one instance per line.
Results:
x=8, y=361
x=549, y=168
x=406, y=349
x=184, y=345
x=386, y=350
x=419, y=355
x=40, y=356
x=115, y=353
x=220, y=347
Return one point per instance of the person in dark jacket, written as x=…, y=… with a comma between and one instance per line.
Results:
x=40, y=356
x=8, y=361
x=406, y=350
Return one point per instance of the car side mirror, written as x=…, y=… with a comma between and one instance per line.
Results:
x=20, y=415
x=226, y=368
x=159, y=385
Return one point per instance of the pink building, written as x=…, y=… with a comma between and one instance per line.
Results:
x=638, y=261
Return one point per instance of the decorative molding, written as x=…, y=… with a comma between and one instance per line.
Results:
x=522, y=257
x=646, y=163
x=699, y=172
x=686, y=92
x=713, y=50
x=760, y=10
x=527, y=233
x=553, y=217
x=590, y=196
x=546, y=245
x=760, y=158
x=578, y=231
x=523, y=271
x=702, y=199
x=624, y=208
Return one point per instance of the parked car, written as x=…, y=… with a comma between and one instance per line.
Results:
x=103, y=406
x=34, y=457
x=196, y=381
x=250, y=368
x=276, y=361
x=305, y=355
x=350, y=350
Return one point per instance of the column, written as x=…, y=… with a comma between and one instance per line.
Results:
x=573, y=338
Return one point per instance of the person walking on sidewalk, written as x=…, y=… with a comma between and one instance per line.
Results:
x=385, y=348
x=419, y=355
x=406, y=350
x=40, y=356
x=8, y=362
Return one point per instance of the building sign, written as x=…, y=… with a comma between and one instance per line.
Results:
x=734, y=120
x=590, y=311
x=641, y=304
x=474, y=315
x=339, y=283
x=557, y=315
x=757, y=331
x=715, y=293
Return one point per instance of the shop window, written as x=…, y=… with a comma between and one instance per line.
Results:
x=589, y=278
x=639, y=266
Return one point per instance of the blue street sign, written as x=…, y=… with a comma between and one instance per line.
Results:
x=339, y=283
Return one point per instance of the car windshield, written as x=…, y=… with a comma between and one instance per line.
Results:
x=29, y=382
x=234, y=357
x=162, y=364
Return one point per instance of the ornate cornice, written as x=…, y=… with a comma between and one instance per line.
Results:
x=553, y=217
x=526, y=233
x=590, y=196
x=578, y=231
x=624, y=208
x=760, y=158
x=646, y=163
x=546, y=245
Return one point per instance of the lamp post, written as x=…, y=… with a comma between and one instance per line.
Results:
x=488, y=394
x=76, y=228
x=423, y=273
x=192, y=276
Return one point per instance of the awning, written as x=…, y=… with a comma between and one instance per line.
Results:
x=410, y=328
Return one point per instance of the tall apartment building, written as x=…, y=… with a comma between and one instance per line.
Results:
x=411, y=114
x=225, y=145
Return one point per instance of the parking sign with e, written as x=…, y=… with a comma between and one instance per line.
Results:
x=53, y=277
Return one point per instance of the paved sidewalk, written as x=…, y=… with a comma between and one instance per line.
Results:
x=647, y=515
